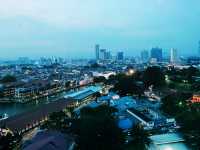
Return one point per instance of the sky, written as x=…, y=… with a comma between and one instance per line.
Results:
x=71, y=28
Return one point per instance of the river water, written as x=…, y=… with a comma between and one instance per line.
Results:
x=16, y=108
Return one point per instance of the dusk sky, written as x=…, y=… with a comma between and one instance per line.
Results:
x=71, y=28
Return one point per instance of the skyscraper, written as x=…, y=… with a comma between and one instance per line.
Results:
x=120, y=55
x=97, y=51
x=108, y=55
x=102, y=54
x=145, y=56
x=156, y=53
x=173, y=55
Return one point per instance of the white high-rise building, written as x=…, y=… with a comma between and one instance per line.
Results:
x=173, y=55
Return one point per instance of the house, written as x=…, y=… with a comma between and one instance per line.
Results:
x=85, y=95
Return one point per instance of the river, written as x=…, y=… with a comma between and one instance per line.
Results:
x=16, y=108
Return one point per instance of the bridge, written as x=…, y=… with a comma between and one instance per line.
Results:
x=25, y=121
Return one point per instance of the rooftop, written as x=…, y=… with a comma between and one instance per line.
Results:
x=166, y=138
x=84, y=93
x=46, y=140
x=140, y=114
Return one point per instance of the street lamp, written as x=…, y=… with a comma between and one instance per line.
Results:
x=130, y=72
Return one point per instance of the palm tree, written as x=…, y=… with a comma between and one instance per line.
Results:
x=140, y=139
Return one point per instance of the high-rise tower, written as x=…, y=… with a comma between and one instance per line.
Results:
x=173, y=55
x=120, y=55
x=156, y=53
x=97, y=51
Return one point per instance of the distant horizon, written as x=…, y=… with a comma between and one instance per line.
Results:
x=137, y=54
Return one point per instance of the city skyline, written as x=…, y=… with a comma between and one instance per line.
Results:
x=65, y=28
x=99, y=75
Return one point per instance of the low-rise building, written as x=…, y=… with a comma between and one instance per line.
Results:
x=85, y=95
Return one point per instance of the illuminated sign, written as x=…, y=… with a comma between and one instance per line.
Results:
x=196, y=99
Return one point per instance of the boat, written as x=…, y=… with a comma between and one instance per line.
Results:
x=3, y=116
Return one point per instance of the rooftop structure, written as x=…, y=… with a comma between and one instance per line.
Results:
x=46, y=140
x=123, y=103
x=166, y=138
x=84, y=95
x=170, y=141
x=151, y=119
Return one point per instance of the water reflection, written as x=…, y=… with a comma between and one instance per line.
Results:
x=17, y=108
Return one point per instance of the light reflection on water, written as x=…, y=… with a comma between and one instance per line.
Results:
x=16, y=108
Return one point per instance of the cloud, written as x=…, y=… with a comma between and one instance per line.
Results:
x=68, y=13
x=76, y=25
x=81, y=13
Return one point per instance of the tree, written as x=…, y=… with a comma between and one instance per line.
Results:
x=97, y=95
x=187, y=115
x=67, y=84
x=189, y=73
x=1, y=94
x=127, y=85
x=140, y=139
x=8, y=78
x=153, y=76
x=57, y=121
x=175, y=103
x=97, y=129
x=95, y=65
x=189, y=120
x=112, y=79
x=10, y=141
x=99, y=79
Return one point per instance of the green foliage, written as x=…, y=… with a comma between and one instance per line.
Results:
x=95, y=65
x=185, y=74
x=187, y=115
x=97, y=129
x=174, y=103
x=172, y=85
x=189, y=120
x=57, y=121
x=1, y=94
x=141, y=140
x=189, y=73
x=9, y=142
x=67, y=84
x=126, y=85
x=154, y=76
x=8, y=79
x=112, y=79
x=100, y=79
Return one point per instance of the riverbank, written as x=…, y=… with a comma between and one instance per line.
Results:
x=38, y=97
